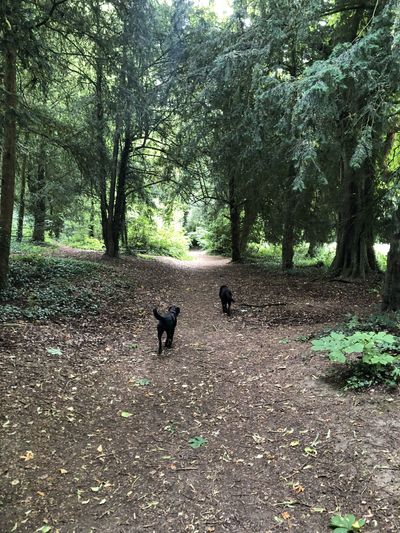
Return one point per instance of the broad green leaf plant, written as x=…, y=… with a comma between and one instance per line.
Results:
x=346, y=524
x=377, y=358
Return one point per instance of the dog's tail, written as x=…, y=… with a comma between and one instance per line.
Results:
x=157, y=315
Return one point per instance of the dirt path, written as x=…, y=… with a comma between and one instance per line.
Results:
x=285, y=449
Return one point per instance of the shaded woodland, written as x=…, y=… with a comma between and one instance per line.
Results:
x=283, y=117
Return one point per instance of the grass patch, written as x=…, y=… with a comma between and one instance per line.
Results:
x=83, y=242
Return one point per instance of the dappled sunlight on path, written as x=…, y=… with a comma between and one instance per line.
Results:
x=198, y=259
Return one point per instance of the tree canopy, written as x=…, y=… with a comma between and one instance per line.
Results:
x=281, y=119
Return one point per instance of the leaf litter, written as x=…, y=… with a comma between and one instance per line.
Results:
x=257, y=403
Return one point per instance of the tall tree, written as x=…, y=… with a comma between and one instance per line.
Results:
x=9, y=47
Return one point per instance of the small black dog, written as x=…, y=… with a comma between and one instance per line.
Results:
x=226, y=299
x=166, y=323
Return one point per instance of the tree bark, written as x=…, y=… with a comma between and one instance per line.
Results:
x=312, y=249
x=21, y=209
x=391, y=288
x=91, y=216
x=234, y=214
x=39, y=199
x=288, y=238
x=120, y=200
x=355, y=256
x=9, y=158
x=250, y=216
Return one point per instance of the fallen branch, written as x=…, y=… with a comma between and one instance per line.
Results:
x=263, y=305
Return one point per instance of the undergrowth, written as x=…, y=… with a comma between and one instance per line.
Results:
x=45, y=288
x=368, y=350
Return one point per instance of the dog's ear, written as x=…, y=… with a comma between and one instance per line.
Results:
x=177, y=310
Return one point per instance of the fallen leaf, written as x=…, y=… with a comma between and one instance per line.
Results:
x=54, y=351
x=28, y=456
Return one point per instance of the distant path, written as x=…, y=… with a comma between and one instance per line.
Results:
x=198, y=260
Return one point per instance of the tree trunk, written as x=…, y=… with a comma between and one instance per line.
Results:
x=391, y=288
x=288, y=238
x=124, y=231
x=355, y=256
x=250, y=216
x=39, y=199
x=312, y=249
x=120, y=202
x=21, y=210
x=9, y=158
x=91, y=217
x=234, y=213
x=101, y=150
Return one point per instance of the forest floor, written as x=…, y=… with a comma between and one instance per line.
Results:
x=96, y=437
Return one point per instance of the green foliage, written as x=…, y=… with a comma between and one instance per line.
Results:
x=126, y=414
x=83, y=242
x=29, y=248
x=377, y=322
x=142, y=382
x=197, y=442
x=377, y=362
x=151, y=235
x=212, y=232
x=42, y=288
x=346, y=523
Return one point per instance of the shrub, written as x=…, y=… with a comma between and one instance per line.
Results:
x=377, y=322
x=84, y=242
x=377, y=359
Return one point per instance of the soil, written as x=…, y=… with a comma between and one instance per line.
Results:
x=97, y=439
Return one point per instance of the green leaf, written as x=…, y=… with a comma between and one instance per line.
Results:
x=358, y=347
x=125, y=414
x=54, y=351
x=337, y=356
x=379, y=359
x=196, y=442
x=382, y=336
x=133, y=346
x=142, y=382
x=310, y=451
x=45, y=529
x=359, y=523
x=346, y=523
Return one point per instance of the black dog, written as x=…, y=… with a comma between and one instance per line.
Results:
x=166, y=323
x=226, y=299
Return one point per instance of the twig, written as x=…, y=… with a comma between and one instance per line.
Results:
x=263, y=305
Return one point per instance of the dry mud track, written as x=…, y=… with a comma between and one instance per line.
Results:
x=283, y=448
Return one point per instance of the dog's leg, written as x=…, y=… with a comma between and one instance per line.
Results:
x=228, y=310
x=160, y=332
